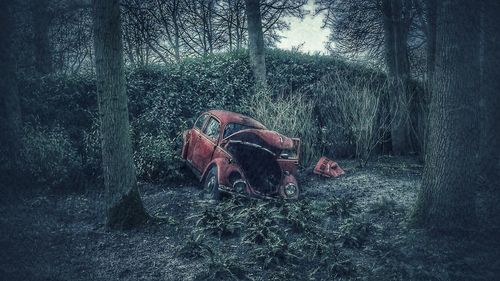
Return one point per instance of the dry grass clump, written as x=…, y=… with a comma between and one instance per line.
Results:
x=345, y=111
x=353, y=104
x=289, y=114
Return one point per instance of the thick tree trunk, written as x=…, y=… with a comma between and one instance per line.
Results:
x=490, y=94
x=41, y=24
x=10, y=112
x=256, y=42
x=396, y=53
x=124, y=205
x=446, y=198
x=431, y=28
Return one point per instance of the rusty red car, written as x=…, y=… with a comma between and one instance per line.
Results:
x=233, y=153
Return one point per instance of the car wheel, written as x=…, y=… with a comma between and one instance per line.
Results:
x=211, y=185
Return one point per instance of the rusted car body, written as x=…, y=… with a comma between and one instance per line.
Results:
x=234, y=153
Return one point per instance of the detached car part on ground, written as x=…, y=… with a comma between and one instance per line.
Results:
x=233, y=153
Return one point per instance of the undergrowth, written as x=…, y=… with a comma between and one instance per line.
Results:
x=245, y=239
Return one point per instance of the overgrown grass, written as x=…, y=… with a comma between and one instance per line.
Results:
x=291, y=115
x=352, y=104
x=340, y=206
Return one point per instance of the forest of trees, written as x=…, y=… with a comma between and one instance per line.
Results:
x=56, y=35
x=449, y=48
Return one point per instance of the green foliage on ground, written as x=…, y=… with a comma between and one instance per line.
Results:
x=292, y=240
x=164, y=100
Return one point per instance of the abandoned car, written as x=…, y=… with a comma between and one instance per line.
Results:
x=233, y=153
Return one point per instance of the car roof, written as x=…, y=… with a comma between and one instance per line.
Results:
x=232, y=117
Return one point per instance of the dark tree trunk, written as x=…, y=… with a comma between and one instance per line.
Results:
x=124, y=205
x=10, y=112
x=431, y=7
x=401, y=29
x=389, y=38
x=177, y=44
x=446, y=198
x=396, y=53
x=490, y=94
x=41, y=24
x=256, y=42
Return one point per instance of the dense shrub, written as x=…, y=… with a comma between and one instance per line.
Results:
x=49, y=158
x=164, y=100
x=157, y=158
x=56, y=100
x=290, y=72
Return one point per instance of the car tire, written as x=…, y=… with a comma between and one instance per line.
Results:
x=211, y=185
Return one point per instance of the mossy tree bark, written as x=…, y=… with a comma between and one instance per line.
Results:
x=446, y=198
x=256, y=43
x=10, y=112
x=490, y=94
x=431, y=29
x=490, y=109
x=124, y=205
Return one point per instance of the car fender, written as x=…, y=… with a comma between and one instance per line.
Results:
x=224, y=169
x=218, y=162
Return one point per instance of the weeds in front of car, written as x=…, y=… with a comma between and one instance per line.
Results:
x=218, y=220
x=195, y=247
x=340, y=206
x=354, y=232
x=275, y=240
x=301, y=216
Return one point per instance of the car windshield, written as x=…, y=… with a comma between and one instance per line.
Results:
x=232, y=128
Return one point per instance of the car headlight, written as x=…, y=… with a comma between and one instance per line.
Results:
x=240, y=186
x=290, y=190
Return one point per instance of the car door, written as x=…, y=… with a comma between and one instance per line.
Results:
x=195, y=135
x=206, y=144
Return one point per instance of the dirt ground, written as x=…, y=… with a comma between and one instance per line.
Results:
x=363, y=216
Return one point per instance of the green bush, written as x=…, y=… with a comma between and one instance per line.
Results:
x=49, y=158
x=69, y=102
x=157, y=158
x=165, y=100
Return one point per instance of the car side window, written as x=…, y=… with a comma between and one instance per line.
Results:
x=199, y=123
x=212, y=129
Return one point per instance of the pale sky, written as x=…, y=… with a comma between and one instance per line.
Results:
x=307, y=31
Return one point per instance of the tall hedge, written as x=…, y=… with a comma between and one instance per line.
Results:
x=163, y=101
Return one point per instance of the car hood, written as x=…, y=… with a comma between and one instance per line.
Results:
x=270, y=140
